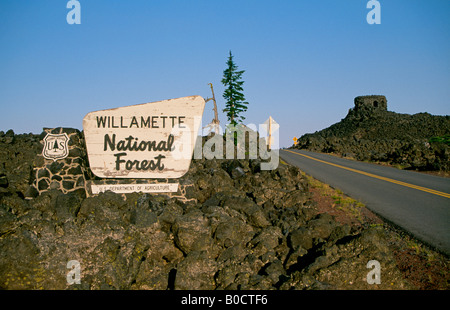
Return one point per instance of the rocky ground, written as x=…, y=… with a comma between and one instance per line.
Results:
x=246, y=229
x=421, y=266
x=419, y=142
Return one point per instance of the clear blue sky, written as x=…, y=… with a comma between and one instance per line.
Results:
x=305, y=61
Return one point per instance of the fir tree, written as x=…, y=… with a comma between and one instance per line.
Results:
x=233, y=93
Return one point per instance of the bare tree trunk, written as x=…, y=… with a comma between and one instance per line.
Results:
x=215, y=122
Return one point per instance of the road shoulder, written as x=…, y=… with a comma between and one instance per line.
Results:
x=423, y=267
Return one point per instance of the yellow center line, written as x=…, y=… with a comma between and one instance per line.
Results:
x=424, y=189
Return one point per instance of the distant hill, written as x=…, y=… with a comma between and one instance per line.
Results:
x=370, y=132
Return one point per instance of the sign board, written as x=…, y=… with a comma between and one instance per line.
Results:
x=55, y=146
x=272, y=126
x=150, y=140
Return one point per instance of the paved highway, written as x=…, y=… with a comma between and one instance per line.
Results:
x=417, y=202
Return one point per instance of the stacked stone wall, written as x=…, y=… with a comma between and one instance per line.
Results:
x=68, y=174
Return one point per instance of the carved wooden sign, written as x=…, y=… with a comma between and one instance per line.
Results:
x=150, y=140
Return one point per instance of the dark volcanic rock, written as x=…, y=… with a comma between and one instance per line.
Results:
x=246, y=229
x=17, y=153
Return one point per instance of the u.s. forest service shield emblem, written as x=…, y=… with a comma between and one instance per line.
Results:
x=56, y=146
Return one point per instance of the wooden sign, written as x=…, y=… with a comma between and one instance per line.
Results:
x=150, y=140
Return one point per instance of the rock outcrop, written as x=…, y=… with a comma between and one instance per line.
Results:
x=370, y=132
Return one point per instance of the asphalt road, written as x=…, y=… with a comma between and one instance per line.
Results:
x=417, y=202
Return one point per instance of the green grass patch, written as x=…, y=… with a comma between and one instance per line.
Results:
x=444, y=139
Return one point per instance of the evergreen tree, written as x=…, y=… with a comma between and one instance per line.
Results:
x=233, y=93
x=55, y=146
